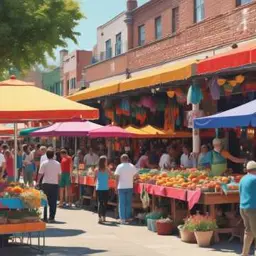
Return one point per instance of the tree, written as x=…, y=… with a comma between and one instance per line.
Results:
x=31, y=29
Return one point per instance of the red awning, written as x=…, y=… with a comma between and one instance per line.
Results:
x=233, y=59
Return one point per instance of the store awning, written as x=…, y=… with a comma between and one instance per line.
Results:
x=96, y=92
x=242, y=116
x=239, y=57
x=181, y=71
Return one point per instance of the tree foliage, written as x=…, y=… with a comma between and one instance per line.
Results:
x=31, y=29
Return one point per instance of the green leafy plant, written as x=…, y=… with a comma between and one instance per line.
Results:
x=200, y=223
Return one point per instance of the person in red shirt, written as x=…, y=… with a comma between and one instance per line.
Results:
x=65, y=179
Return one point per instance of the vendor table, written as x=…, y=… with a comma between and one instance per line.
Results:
x=19, y=230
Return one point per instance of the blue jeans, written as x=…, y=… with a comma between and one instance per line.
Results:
x=125, y=203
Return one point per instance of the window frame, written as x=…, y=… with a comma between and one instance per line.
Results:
x=158, y=37
x=110, y=48
x=118, y=43
x=196, y=8
x=140, y=41
x=239, y=3
x=175, y=26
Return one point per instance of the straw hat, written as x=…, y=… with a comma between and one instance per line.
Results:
x=251, y=166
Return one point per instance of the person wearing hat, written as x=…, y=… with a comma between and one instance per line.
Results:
x=247, y=189
x=218, y=158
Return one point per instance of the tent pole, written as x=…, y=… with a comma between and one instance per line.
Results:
x=75, y=144
x=15, y=150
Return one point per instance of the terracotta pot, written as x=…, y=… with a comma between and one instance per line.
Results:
x=164, y=228
x=187, y=236
x=203, y=238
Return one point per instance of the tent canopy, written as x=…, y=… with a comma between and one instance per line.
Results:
x=21, y=101
x=110, y=131
x=67, y=129
x=27, y=131
x=242, y=116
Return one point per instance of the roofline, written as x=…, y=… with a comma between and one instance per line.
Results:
x=112, y=20
x=147, y=4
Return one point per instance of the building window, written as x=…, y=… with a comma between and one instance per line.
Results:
x=158, y=27
x=72, y=84
x=241, y=2
x=199, y=10
x=108, y=49
x=118, y=44
x=175, y=19
x=141, y=32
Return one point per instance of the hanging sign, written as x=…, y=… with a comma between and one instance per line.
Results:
x=191, y=115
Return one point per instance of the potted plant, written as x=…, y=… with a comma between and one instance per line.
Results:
x=164, y=226
x=15, y=217
x=186, y=235
x=3, y=217
x=151, y=220
x=203, y=227
x=32, y=215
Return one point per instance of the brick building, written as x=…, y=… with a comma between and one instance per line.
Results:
x=163, y=32
x=71, y=69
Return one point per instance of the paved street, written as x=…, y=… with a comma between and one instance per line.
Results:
x=78, y=234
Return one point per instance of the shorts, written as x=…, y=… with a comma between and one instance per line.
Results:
x=28, y=177
x=249, y=219
x=65, y=180
x=10, y=179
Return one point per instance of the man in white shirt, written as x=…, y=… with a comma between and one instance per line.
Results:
x=50, y=170
x=125, y=173
x=186, y=159
x=91, y=159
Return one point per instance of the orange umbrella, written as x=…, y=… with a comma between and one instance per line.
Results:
x=21, y=101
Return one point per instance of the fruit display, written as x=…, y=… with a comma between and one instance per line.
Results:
x=191, y=179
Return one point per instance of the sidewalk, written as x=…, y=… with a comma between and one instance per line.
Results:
x=78, y=234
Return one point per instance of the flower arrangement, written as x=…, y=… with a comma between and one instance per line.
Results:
x=31, y=198
x=200, y=223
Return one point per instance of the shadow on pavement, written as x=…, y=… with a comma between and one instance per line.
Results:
x=58, y=232
x=49, y=251
x=225, y=247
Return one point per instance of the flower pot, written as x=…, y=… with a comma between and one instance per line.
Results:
x=31, y=219
x=164, y=228
x=15, y=221
x=149, y=224
x=3, y=220
x=203, y=238
x=187, y=236
x=153, y=225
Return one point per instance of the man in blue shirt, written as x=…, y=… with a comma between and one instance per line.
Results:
x=248, y=206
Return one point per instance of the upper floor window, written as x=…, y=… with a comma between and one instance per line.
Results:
x=118, y=44
x=72, y=83
x=141, y=31
x=241, y=2
x=199, y=10
x=175, y=19
x=108, y=49
x=158, y=27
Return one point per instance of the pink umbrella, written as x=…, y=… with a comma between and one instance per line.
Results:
x=67, y=129
x=110, y=131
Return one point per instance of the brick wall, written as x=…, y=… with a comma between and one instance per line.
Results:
x=224, y=24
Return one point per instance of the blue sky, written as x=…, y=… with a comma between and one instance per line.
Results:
x=97, y=14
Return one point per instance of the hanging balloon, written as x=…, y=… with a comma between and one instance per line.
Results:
x=240, y=79
x=171, y=94
x=232, y=83
x=221, y=81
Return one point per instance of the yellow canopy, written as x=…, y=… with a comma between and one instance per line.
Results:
x=21, y=101
x=181, y=71
x=152, y=130
x=95, y=92
x=136, y=131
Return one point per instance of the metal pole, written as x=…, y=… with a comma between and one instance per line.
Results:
x=75, y=145
x=15, y=150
